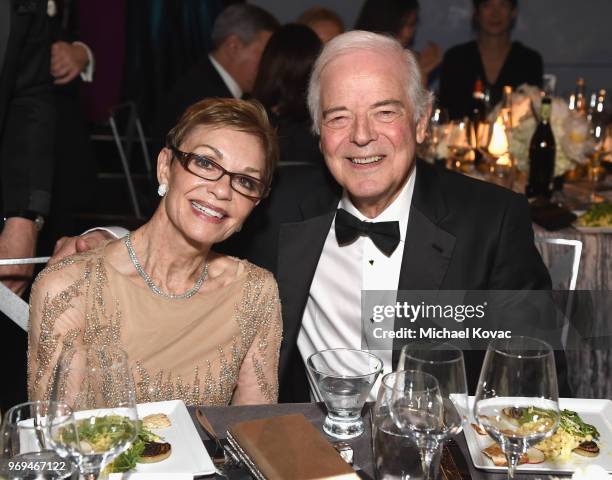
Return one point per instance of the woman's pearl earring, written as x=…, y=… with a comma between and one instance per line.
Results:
x=162, y=189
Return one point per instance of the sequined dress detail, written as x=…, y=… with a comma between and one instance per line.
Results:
x=217, y=347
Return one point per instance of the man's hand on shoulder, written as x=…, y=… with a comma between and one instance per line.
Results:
x=66, y=246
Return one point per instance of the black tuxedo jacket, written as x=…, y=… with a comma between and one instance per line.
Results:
x=462, y=234
x=201, y=81
x=27, y=113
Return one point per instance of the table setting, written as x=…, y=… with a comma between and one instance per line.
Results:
x=423, y=424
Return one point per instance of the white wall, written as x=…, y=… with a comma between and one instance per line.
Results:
x=573, y=36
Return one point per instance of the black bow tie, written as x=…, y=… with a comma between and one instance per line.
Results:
x=385, y=235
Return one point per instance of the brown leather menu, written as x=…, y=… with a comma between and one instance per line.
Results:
x=287, y=447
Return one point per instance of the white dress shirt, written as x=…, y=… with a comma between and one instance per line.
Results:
x=229, y=81
x=332, y=318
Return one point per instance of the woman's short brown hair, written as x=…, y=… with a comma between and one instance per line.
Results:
x=248, y=116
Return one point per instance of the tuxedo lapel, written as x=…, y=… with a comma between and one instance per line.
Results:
x=300, y=247
x=5, y=29
x=428, y=248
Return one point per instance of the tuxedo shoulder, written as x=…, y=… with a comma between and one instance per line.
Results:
x=466, y=190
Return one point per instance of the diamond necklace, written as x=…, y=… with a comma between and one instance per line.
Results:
x=188, y=294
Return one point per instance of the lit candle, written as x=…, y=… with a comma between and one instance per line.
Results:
x=504, y=160
x=498, y=146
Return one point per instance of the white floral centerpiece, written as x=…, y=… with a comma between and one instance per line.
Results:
x=571, y=130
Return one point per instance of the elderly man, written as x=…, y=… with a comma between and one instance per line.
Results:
x=322, y=237
x=240, y=34
x=449, y=231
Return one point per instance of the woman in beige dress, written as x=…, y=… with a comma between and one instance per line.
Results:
x=198, y=326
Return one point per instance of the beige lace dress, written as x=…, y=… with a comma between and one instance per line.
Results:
x=212, y=349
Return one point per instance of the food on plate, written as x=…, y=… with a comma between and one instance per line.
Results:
x=155, y=452
x=587, y=449
x=479, y=429
x=599, y=215
x=100, y=434
x=128, y=459
x=156, y=421
x=572, y=435
x=494, y=452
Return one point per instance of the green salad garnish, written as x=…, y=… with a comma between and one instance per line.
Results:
x=100, y=434
x=599, y=215
x=128, y=459
x=573, y=424
x=533, y=414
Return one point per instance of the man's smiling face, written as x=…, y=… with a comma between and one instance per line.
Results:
x=368, y=132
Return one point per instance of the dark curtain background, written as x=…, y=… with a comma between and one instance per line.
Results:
x=163, y=39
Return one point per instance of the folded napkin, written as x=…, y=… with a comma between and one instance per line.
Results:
x=287, y=447
x=551, y=216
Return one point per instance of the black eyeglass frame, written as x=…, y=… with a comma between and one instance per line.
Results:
x=185, y=157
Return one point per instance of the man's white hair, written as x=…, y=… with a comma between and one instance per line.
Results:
x=420, y=98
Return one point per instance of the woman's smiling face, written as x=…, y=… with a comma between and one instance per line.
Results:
x=209, y=211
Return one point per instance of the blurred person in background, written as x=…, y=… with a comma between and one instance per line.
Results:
x=493, y=58
x=27, y=122
x=324, y=22
x=399, y=18
x=240, y=34
x=281, y=86
x=72, y=62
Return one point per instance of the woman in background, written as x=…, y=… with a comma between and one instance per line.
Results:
x=493, y=58
x=398, y=18
x=326, y=23
x=281, y=85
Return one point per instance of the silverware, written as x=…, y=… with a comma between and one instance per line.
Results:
x=223, y=457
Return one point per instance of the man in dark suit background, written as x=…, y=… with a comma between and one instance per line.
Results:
x=240, y=34
x=26, y=159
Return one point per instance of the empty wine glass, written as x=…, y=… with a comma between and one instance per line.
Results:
x=343, y=378
x=462, y=145
x=92, y=415
x=417, y=410
x=445, y=362
x=23, y=446
x=517, y=397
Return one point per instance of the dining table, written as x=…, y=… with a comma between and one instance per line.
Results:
x=589, y=370
x=456, y=461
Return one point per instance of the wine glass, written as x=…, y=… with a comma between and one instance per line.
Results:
x=417, y=410
x=92, y=415
x=23, y=446
x=517, y=399
x=445, y=362
x=343, y=378
x=462, y=145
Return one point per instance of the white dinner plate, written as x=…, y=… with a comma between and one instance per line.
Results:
x=188, y=452
x=595, y=412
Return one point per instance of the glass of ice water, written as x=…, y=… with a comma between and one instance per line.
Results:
x=24, y=451
x=343, y=378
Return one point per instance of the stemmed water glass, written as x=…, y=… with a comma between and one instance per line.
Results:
x=417, y=409
x=24, y=452
x=92, y=415
x=517, y=399
x=343, y=378
x=446, y=363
